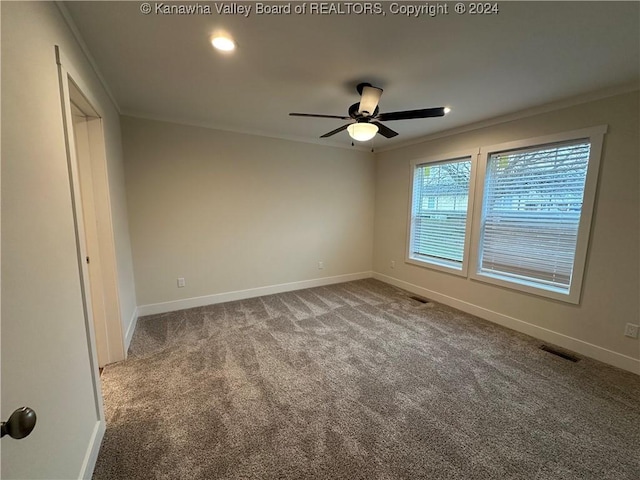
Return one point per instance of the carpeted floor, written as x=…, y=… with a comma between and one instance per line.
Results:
x=359, y=381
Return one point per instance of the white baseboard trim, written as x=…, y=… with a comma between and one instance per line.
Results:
x=130, y=329
x=89, y=463
x=164, y=307
x=579, y=346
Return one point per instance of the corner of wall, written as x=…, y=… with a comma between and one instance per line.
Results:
x=133, y=321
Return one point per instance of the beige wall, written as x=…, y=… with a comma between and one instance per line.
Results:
x=230, y=212
x=45, y=358
x=611, y=286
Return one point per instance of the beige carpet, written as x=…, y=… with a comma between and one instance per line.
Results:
x=359, y=381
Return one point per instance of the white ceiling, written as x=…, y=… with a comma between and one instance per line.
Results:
x=531, y=53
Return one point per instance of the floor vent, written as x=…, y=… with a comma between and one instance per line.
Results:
x=419, y=299
x=566, y=356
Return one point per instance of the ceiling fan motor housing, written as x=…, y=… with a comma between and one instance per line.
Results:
x=356, y=115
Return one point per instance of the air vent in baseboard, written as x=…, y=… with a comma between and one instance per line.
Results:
x=559, y=353
x=419, y=299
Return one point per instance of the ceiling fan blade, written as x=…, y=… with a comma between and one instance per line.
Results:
x=385, y=131
x=409, y=114
x=337, y=130
x=369, y=101
x=317, y=115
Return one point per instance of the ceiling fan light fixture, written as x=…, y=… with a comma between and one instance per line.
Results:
x=446, y=110
x=362, y=132
x=369, y=101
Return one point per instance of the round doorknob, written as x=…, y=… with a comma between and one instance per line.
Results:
x=20, y=423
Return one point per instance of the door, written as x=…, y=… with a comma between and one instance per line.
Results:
x=48, y=355
x=86, y=200
x=93, y=200
x=86, y=140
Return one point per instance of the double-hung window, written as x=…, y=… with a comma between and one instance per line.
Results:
x=531, y=214
x=439, y=223
x=532, y=206
x=532, y=230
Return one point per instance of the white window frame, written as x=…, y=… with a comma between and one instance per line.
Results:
x=595, y=136
x=434, y=264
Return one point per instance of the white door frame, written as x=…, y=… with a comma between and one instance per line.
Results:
x=71, y=85
x=74, y=91
x=67, y=121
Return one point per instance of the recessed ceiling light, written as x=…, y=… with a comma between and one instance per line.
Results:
x=446, y=110
x=223, y=42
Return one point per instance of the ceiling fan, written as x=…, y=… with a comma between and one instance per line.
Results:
x=367, y=116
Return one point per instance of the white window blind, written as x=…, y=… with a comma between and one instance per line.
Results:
x=531, y=213
x=439, y=212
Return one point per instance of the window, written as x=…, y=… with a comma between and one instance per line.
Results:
x=533, y=206
x=535, y=201
x=531, y=214
x=440, y=202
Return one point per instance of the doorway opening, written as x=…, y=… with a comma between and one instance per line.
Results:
x=94, y=229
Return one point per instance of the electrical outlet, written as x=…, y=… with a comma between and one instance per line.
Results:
x=631, y=330
x=181, y=282
x=393, y=264
x=320, y=265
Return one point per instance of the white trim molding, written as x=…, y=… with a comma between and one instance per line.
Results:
x=91, y=456
x=66, y=15
x=130, y=329
x=526, y=113
x=570, y=343
x=172, y=306
x=242, y=131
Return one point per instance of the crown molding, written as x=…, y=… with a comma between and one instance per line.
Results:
x=256, y=133
x=66, y=15
x=529, y=112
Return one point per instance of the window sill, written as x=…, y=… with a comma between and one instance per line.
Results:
x=439, y=265
x=572, y=297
